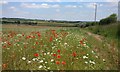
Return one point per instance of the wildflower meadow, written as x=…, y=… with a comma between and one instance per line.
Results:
x=53, y=49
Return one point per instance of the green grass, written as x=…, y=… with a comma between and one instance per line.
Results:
x=110, y=32
x=19, y=55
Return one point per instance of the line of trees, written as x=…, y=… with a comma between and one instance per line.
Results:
x=19, y=22
x=108, y=20
x=111, y=19
x=105, y=21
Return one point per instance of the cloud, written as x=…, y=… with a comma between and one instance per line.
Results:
x=17, y=11
x=91, y=5
x=43, y=5
x=112, y=0
x=13, y=8
x=70, y=6
x=3, y=2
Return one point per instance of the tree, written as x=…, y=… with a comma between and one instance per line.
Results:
x=111, y=19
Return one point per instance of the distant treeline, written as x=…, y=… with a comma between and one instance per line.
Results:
x=108, y=20
x=18, y=22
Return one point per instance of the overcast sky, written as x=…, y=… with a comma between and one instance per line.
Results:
x=59, y=9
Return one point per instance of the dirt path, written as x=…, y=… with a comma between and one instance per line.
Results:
x=101, y=39
x=98, y=37
x=113, y=50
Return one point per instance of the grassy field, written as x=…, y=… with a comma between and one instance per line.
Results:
x=109, y=32
x=54, y=48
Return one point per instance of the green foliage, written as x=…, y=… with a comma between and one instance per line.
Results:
x=111, y=19
x=110, y=31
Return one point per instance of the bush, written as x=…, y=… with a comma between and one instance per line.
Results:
x=111, y=19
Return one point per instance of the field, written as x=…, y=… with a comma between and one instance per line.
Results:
x=55, y=48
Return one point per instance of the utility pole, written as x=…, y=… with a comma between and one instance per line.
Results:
x=95, y=11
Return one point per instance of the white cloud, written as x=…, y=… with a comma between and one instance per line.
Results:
x=55, y=6
x=3, y=2
x=70, y=6
x=13, y=8
x=112, y=0
x=43, y=5
x=17, y=11
x=91, y=5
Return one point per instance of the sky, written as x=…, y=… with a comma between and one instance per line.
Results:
x=71, y=10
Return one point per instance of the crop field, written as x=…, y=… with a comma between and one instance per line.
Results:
x=55, y=48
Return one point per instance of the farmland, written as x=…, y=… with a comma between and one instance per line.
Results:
x=55, y=48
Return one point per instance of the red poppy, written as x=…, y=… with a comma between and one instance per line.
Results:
x=25, y=46
x=4, y=66
x=39, y=34
x=58, y=56
x=27, y=37
x=36, y=43
x=4, y=46
x=51, y=38
x=54, y=54
x=74, y=54
x=81, y=42
x=63, y=62
x=9, y=43
x=36, y=54
x=58, y=51
x=57, y=62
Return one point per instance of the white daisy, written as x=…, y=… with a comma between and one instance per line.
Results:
x=48, y=68
x=104, y=60
x=65, y=43
x=23, y=58
x=34, y=59
x=29, y=62
x=52, y=60
x=48, y=53
x=41, y=61
x=45, y=62
x=86, y=62
x=40, y=66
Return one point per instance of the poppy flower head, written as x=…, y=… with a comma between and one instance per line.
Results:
x=63, y=62
x=39, y=35
x=74, y=54
x=58, y=56
x=36, y=54
x=9, y=43
x=57, y=62
x=51, y=38
x=36, y=43
x=81, y=42
x=58, y=51
x=54, y=54
x=4, y=66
